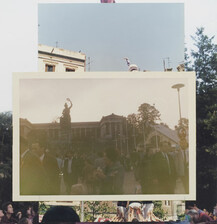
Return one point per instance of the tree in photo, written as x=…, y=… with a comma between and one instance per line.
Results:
x=147, y=117
x=132, y=128
x=182, y=130
x=141, y=124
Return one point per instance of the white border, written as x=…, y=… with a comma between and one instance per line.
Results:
x=192, y=135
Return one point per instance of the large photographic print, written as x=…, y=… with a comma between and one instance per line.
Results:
x=105, y=136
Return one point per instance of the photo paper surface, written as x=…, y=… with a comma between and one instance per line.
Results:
x=104, y=136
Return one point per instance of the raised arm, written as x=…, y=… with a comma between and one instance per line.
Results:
x=70, y=103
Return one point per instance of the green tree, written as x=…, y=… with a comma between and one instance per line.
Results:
x=92, y=209
x=205, y=58
x=204, y=62
x=5, y=156
x=43, y=208
x=5, y=128
x=158, y=210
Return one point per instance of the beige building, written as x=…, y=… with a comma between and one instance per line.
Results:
x=173, y=209
x=52, y=59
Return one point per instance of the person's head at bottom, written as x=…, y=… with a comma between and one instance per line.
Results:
x=60, y=215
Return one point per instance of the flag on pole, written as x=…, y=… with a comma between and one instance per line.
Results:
x=107, y=1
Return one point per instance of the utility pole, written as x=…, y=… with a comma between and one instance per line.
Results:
x=168, y=68
x=88, y=63
x=82, y=211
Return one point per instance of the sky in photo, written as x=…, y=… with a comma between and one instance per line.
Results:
x=42, y=100
x=146, y=33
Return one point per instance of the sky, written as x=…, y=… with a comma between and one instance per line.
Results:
x=19, y=37
x=200, y=13
x=144, y=33
x=93, y=98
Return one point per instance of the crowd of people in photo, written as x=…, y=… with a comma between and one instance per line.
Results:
x=158, y=170
x=82, y=173
x=102, y=171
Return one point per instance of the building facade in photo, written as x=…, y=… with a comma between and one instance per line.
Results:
x=112, y=130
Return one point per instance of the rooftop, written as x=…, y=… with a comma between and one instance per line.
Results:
x=60, y=52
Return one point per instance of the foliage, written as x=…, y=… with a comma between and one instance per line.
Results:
x=43, y=208
x=140, y=124
x=5, y=128
x=183, y=123
x=182, y=130
x=205, y=58
x=204, y=62
x=148, y=114
x=94, y=208
x=158, y=210
x=188, y=62
x=5, y=156
x=181, y=217
x=132, y=120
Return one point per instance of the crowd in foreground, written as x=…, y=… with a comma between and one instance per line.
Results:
x=142, y=211
x=25, y=215
x=134, y=211
x=195, y=215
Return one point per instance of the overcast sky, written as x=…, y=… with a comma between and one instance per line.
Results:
x=144, y=32
x=19, y=37
x=42, y=101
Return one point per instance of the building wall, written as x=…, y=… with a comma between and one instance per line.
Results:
x=25, y=128
x=60, y=59
x=173, y=209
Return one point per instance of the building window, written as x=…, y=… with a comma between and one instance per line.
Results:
x=167, y=203
x=118, y=128
x=49, y=68
x=107, y=129
x=70, y=70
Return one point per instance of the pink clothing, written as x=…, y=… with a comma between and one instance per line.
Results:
x=107, y=1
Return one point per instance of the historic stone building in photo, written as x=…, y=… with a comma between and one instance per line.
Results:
x=112, y=130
